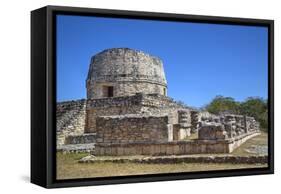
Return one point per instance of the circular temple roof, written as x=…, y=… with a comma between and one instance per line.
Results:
x=124, y=64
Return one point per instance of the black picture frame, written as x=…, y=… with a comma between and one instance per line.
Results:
x=43, y=95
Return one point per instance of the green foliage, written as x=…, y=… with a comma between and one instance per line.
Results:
x=222, y=104
x=257, y=108
x=252, y=106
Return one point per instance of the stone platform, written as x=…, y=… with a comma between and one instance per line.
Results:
x=76, y=148
x=179, y=159
x=172, y=148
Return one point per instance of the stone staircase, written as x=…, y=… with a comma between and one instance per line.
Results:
x=70, y=128
x=70, y=119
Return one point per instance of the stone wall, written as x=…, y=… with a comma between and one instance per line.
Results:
x=110, y=106
x=182, y=127
x=70, y=116
x=129, y=71
x=128, y=88
x=227, y=126
x=194, y=121
x=81, y=138
x=105, y=114
x=152, y=101
x=213, y=131
x=183, y=118
x=146, y=104
x=132, y=129
x=172, y=159
x=172, y=148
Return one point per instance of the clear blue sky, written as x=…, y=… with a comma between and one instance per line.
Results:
x=200, y=60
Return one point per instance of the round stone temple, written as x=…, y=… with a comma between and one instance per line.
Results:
x=124, y=72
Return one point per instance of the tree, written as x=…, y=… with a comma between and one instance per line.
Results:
x=253, y=106
x=222, y=104
x=257, y=108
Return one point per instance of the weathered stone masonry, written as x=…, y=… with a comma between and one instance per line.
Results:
x=139, y=104
x=132, y=129
x=127, y=71
x=70, y=119
x=127, y=112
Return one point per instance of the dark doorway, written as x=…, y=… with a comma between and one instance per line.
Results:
x=107, y=91
x=110, y=91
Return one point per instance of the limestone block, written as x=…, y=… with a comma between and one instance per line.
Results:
x=212, y=131
x=176, y=149
x=120, y=151
x=169, y=150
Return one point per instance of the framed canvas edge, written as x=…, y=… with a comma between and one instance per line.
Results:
x=50, y=168
x=38, y=95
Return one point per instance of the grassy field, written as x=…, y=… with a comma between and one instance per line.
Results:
x=261, y=140
x=69, y=168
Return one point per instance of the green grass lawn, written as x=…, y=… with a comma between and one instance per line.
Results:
x=69, y=168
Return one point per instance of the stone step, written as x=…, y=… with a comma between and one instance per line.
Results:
x=263, y=159
x=76, y=148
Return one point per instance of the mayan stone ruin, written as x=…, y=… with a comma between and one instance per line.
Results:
x=128, y=112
